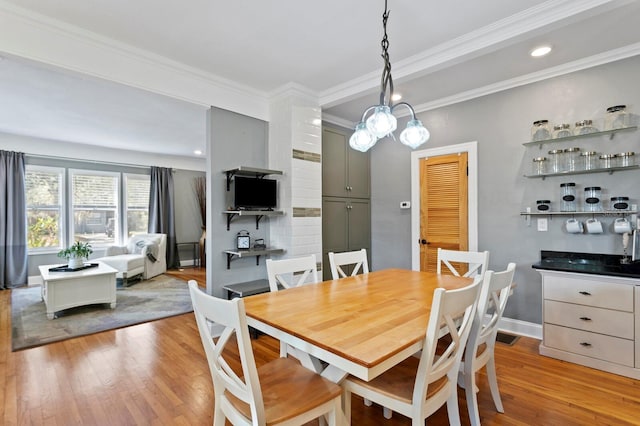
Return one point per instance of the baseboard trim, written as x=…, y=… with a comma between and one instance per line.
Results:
x=520, y=328
x=34, y=280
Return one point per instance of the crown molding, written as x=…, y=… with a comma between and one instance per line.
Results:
x=468, y=45
x=338, y=121
x=568, y=68
x=36, y=37
x=294, y=90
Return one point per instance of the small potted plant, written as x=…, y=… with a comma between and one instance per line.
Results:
x=76, y=254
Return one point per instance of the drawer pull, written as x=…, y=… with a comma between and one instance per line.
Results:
x=585, y=293
x=585, y=318
x=585, y=344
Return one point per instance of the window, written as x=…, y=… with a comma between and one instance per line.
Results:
x=102, y=208
x=94, y=204
x=44, y=188
x=137, y=203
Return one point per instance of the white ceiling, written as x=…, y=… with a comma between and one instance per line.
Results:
x=441, y=52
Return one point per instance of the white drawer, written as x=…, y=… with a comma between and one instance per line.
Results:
x=589, y=292
x=599, y=346
x=589, y=318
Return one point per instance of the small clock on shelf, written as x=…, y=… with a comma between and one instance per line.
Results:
x=243, y=240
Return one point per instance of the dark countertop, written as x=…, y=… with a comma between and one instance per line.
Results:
x=587, y=263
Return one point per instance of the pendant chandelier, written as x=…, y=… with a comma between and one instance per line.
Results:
x=382, y=122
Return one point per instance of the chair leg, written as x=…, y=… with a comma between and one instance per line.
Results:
x=218, y=415
x=367, y=402
x=387, y=412
x=493, y=385
x=452, y=408
x=470, y=390
x=283, y=350
x=346, y=406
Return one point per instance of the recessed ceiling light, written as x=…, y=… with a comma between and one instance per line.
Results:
x=540, y=51
x=396, y=97
x=197, y=152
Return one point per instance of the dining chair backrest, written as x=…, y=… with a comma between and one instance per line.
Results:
x=295, y=394
x=227, y=384
x=356, y=258
x=418, y=391
x=293, y=272
x=475, y=263
x=494, y=294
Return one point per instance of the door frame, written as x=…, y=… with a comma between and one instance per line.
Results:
x=471, y=148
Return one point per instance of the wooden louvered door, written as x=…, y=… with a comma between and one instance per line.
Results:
x=443, y=207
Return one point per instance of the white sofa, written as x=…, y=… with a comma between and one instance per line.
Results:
x=136, y=258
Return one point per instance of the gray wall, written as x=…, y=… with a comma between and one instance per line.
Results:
x=188, y=222
x=501, y=124
x=234, y=140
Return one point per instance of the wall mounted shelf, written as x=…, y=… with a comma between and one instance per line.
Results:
x=611, y=134
x=250, y=172
x=581, y=213
x=237, y=254
x=609, y=170
x=259, y=214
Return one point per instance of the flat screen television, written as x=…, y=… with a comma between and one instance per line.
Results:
x=254, y=193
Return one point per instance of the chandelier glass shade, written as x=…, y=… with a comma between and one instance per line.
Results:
x=381, y=122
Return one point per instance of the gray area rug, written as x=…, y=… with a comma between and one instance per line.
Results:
x=160, y=297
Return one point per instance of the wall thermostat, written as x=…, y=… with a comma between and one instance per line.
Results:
x=243, y=240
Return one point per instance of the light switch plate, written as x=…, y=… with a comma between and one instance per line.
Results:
x=543, y=224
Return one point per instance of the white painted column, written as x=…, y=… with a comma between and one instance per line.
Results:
x=295, y=147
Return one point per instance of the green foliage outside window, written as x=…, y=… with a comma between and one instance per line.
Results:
x=43, y=231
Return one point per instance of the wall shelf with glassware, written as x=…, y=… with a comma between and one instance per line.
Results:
x=237, y=254
x=609, y=170
x=259, y=214
x=600, y=213
x=611, y=134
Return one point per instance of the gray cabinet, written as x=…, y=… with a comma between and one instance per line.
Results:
x=346, y=211
x=345, y=171
x=346, y=226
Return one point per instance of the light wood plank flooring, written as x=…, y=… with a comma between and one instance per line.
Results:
x=156, y=373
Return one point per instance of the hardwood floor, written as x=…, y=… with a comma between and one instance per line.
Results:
x=157, y=373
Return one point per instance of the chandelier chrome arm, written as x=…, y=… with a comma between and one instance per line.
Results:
x=382, y=122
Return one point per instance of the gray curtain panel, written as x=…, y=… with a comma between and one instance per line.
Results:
x=13, y=220
x=162, y=211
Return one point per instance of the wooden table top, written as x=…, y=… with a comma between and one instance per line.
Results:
x=365, y=319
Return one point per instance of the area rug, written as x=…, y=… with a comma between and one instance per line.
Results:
x=160, y=297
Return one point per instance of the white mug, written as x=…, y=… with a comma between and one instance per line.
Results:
x=621, y=225
x=574, y=226
x=594, y=226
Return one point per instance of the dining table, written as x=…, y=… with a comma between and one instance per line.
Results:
x=360, y=325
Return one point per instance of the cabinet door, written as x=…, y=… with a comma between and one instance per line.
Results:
x=335, y=230
x=358, y=174
x=359, y=224
x=334, y=164
x=345, y=171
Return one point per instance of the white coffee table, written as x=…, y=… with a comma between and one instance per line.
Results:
x=63, y=290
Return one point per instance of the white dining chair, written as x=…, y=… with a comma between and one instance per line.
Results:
x=288, y=273
x=279, y=392
x=357, y=259
x=292, y=272
x=494, y=293
x=417, y=387
x=457, y=261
